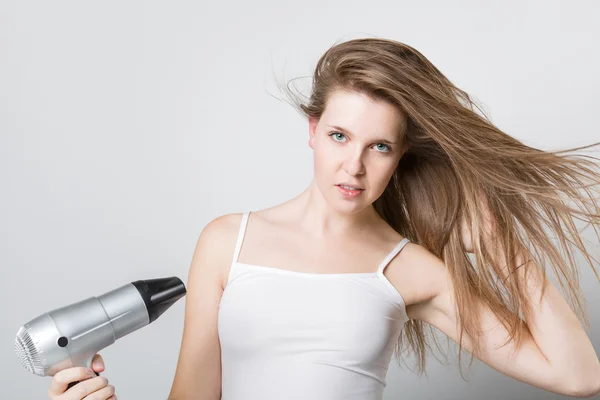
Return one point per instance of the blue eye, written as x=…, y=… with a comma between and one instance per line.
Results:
x=334, y=134
x=387, y=148
x=340, y=136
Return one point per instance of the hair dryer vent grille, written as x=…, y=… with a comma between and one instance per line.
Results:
x=27, y=353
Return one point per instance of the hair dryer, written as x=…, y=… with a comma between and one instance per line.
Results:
x=70, y=336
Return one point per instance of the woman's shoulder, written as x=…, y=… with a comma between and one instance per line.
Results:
x=227, y=226
x=218, y=239
x=417, y=273
x=221, y=229
x=224, y=223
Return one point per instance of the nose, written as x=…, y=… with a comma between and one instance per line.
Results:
x=354, y=163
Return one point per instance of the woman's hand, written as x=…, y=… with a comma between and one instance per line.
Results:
x=489, y=226
x=90, y=386
x=465, y=234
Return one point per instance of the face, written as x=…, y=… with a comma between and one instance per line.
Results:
x=357, y=144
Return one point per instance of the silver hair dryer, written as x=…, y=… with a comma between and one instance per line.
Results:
x=70, y=336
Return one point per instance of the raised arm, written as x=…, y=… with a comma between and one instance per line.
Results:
x=198, y=374
x=555, y=355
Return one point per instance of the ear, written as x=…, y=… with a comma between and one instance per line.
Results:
x=406, y=147
x=312, y=129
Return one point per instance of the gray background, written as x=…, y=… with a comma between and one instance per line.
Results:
x=127, y=126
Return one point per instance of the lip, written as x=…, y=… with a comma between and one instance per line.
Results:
x=349, y=194
x=350, y=185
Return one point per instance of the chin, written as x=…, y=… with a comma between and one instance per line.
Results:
x=348, y=207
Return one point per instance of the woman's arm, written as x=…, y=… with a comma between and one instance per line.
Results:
x=198, y=374
x=555, y=354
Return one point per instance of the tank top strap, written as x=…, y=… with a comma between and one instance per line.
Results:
x=392, y=254
x=241, y=234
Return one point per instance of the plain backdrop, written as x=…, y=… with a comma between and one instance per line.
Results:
x=127, y=126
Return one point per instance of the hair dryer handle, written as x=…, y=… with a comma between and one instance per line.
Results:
x=76, y=382
x=87, y=364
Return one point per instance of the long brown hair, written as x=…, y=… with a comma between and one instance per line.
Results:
x=458, y=159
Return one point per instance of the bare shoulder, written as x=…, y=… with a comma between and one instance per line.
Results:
x=219, y=238
x=223, y=225
x=198, y=370
x=418, y=275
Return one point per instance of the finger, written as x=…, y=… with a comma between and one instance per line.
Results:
x=102, y=394
x=98, y=363
x=61, y=379
x=83, y=389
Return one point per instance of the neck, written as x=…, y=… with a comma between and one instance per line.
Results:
x=318, y=216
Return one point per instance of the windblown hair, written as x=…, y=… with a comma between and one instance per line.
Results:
x=458, y=159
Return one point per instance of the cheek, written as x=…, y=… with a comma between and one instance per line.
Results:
x=381, y=173
x=324, y=159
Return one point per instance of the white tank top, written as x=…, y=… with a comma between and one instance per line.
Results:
x=290, y=335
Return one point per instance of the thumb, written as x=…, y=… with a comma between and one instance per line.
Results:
x=98, y=363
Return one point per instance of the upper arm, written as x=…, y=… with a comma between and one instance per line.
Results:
x=438, y=307
x=198, y=373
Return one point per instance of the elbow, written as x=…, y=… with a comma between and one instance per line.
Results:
x=585, y=387
x=584, y=392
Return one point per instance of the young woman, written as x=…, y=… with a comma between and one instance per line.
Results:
x=421, y=214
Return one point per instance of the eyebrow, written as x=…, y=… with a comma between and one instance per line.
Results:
x=339, y=128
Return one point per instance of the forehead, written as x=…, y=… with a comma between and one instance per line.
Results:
x=359, y=113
